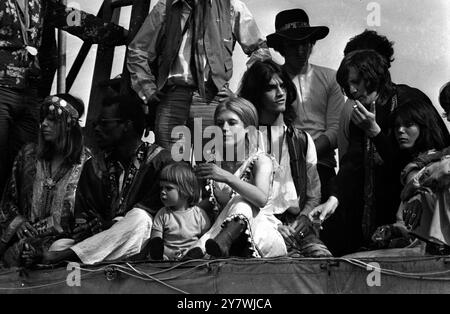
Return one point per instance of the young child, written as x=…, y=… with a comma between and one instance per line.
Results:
x=180, y=223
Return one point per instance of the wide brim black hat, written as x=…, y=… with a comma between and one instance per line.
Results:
x=294, y=25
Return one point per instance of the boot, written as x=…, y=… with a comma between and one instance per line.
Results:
x=308, y=241
x=437, y=249
x=220, y=245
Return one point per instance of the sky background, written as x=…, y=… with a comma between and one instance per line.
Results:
x=419, y=29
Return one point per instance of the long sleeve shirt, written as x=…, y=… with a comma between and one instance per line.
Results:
x=145, y=48
x=290, y=164
x=318, y=106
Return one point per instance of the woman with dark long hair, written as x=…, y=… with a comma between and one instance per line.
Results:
x=417, y=131
x=38, y=204
x=296, y=180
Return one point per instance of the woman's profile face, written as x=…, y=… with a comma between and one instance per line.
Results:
x=50, y=127
x=274, y=97
x=233, y=129
x=406, y=133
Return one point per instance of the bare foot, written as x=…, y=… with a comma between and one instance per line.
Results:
x=31, y=255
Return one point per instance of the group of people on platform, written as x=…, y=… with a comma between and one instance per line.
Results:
x=266, y=188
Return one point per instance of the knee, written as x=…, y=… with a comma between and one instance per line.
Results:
x=139, y=218
x=244, y=208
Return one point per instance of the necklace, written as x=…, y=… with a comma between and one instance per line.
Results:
x=50, y=181
x=276, y=151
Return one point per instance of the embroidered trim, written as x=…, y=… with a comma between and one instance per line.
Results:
x=248, y=232
x=128, y=182
x=210, y=185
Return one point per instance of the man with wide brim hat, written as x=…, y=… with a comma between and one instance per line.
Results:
x=319, y=98
x=294, y=25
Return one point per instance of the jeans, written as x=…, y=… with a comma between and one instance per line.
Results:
x=179, y=106
x=19, y=125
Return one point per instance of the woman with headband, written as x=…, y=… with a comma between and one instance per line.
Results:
x=37, y=205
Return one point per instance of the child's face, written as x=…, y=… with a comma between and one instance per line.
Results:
x=170, y=195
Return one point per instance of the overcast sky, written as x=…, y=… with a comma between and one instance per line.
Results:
x=420, y=30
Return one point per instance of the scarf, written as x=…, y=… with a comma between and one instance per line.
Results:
x=369, y=214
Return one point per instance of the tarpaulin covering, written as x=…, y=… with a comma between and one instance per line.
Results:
x=234, y=276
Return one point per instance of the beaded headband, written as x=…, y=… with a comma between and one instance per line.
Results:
x=58, y=105
x=293, y=25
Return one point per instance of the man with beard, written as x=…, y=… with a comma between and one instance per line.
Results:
x=319, y=99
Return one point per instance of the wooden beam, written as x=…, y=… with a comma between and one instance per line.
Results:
x=81, y=57
x=102, y=73
x=62, y=67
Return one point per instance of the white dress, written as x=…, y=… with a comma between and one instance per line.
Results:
x=262, y=226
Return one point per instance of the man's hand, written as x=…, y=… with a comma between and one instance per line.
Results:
x=365, y=120
x=324, y=210
x=224, y=93
x=148, y=106
x=154, y=99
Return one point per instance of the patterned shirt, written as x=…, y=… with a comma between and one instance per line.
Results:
x=29, y=195
x=21, y=27
x=108, y=190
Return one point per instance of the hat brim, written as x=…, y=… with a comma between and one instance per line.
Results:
x=298, y=34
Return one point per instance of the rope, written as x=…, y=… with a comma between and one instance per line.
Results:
x=424, y=276
x=137, y=273
x=39, y=286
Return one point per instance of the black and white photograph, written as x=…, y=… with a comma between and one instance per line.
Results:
x=228, y=153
